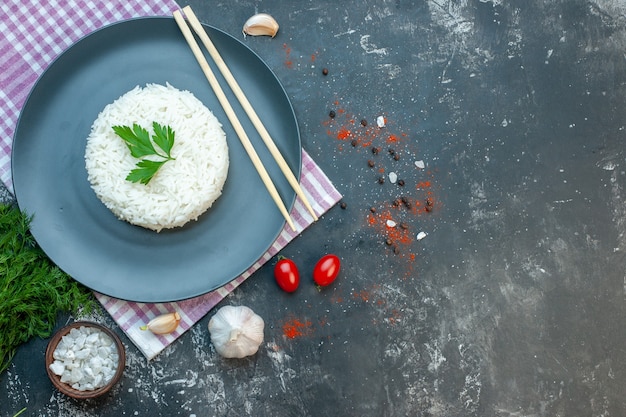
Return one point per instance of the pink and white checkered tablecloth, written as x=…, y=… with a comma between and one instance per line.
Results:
x=32, y=34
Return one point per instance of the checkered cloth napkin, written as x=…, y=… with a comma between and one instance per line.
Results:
x=32, y=34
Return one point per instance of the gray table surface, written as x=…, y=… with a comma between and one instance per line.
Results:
x=514, y=302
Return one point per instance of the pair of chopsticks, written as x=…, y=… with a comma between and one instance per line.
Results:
x=230, y=113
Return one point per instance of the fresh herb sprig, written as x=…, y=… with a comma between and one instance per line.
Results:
x=33, y=290
x=138, y=141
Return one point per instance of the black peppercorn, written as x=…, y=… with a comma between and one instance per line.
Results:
x=396, y=157
x=373, y=209
x=375, y=150
x=371, y=163
x=401, y=183
x=388, y=242
x=381, y=180
x=353, y=142
x=363, y=122
x=325, y=71
x=332, y=114
x=391, y=151
x=343, y=205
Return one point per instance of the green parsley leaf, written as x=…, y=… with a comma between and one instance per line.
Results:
x=145, y=171
x=139, y=143
x=137, y=139
x=163, y=137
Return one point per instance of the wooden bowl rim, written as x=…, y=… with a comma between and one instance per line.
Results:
x=67, y=389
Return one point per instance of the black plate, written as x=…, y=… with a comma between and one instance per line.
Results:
x=79, y=233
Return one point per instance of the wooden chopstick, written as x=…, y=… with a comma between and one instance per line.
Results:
x=258, y=124
x=230, y=113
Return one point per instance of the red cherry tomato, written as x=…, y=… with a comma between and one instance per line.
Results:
x=287, y=275
x=326, y=270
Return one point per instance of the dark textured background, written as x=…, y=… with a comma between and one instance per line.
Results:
x=513, y=305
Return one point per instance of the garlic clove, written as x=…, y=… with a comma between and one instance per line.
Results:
x=236, y=331
x=260, y=24
x=165, y=323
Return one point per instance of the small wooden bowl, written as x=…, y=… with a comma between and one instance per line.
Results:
x=67, y=389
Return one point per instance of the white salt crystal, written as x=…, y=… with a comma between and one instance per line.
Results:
x=380, y=121
x=57, y=368
x=391, y=223
x=92, y=339
x=421, y=235
x=83, y=353
x=393, y=177
x=420, y=164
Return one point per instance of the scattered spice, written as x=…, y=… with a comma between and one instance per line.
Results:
x=414, y=201
x=288, y=61
x=429, y=204
x=343, y=205
x=295, y=327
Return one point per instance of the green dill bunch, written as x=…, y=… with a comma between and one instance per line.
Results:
x=33, y=290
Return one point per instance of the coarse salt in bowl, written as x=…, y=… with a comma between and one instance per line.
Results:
x=85, y=360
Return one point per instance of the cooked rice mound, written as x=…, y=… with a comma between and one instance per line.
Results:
x=182, y=189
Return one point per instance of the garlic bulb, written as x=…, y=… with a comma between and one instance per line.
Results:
x=260, y=24
x=236, y=331
x=165, y=323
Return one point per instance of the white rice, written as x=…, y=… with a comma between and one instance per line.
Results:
x=182, y=189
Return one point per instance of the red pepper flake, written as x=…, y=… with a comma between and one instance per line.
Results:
x=343, y=134
x=363, y=295
x=395, y=317
x=295, y=327
x=288, y=61
x=336, y=298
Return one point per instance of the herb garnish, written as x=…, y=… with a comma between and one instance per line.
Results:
x=33, y=290
x=138, y=141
